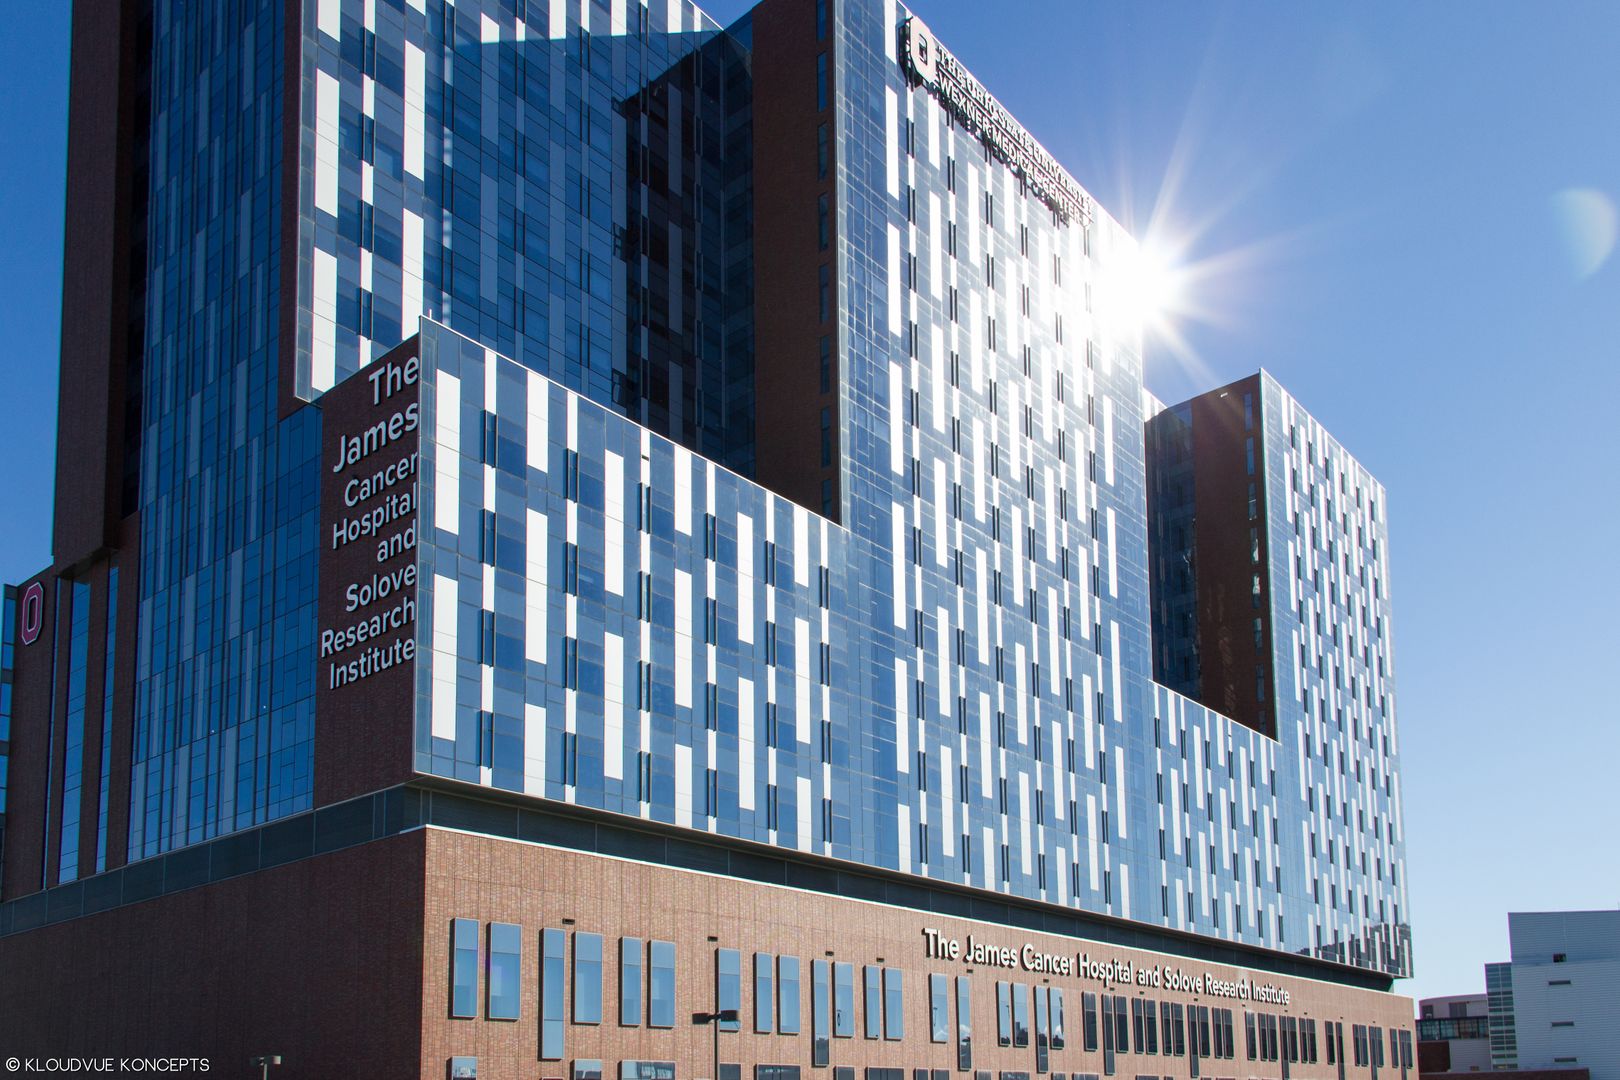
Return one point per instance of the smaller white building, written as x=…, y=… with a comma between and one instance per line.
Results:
x=1566, y=990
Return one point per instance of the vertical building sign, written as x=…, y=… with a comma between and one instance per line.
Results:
x=366, y=643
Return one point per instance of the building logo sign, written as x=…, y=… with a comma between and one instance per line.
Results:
x=31, y=613
x=932, y=66
x=920, y=53
x=1110, y=971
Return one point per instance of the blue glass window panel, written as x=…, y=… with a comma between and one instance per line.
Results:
x=764, y=999
x=894, y=1004
x=505, y=970
x=661, y=985
x=630, y=981
x=464, y=967
x=728, y=986
x=553, y=992
x=787, y=995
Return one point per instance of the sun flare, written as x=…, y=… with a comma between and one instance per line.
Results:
x=1153, y=287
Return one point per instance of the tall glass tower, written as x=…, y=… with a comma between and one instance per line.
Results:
x=565, y=476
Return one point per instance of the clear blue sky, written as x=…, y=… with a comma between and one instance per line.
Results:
x=1375, y=193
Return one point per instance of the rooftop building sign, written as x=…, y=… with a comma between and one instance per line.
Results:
x=932, y=65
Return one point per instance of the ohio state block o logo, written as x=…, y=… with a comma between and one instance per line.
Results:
x=31, y=616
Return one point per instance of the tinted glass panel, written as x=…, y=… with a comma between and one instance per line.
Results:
x=630, y=981
x=820, y=994
x=964, y=1023
x=1041, y=1036
x=894, y=1003
x=646, y=1070
x=728, y=986
x=762, y=992
x=939, y=1021
x=505, y=970
x=661, y=985
x=552, y=992
x=843, y=1001
x=587, y=978
x=464, y=967
x=787, y=995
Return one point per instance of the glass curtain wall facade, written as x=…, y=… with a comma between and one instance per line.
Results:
x=566, y=182
x=223, y=718
x=957, y=680
x=1334, y=680
x=480, y=166
x=1270, y=578
x=948, y=673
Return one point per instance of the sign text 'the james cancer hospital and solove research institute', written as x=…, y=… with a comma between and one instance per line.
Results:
x=373, y=532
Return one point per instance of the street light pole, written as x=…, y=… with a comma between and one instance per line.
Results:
x=718, y=1017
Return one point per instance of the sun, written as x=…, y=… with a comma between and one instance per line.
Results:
x=1153, y=286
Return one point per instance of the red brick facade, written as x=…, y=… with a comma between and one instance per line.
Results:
x=343, y=961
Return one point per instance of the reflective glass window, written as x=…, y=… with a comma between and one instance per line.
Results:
x=763, y=1000
x=630, y=981
x=587, y=978
x=787, y=995
x=820, y=995
x=1042, y=1031
x=728, y=985
x=939, y=1021
x=464, y=967
x=661, y=985
x=553, y=990
x=843, y=1001
x=1003, y=1014
x=894, y=1003
x=505, y=970
x=964, y=1023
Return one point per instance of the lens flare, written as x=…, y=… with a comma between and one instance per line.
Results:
x=1154, y=287
x=1587, y=225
